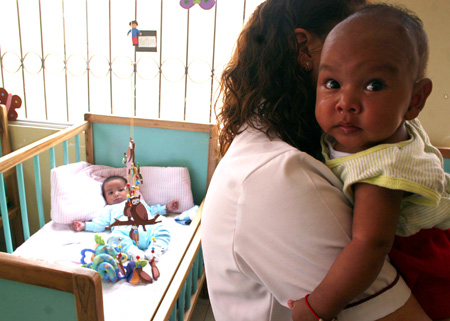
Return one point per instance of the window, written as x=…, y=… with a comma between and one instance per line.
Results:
x=68, y=57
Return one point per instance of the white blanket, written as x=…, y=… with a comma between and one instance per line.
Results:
x=122, y=301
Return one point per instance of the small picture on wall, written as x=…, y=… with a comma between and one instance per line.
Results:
x=147, y=41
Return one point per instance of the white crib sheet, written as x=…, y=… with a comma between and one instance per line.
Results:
x=122, y=301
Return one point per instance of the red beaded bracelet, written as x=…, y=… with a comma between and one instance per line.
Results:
x=311, y=309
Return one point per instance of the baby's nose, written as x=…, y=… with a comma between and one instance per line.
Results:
x=349, y=102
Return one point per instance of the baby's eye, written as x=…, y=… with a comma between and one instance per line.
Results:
x=332, y=84
x=375, y=85
x=110, y=193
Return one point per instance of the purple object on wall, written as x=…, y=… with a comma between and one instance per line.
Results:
x=204, y=4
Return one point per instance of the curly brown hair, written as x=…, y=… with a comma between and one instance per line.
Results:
x=263, y=85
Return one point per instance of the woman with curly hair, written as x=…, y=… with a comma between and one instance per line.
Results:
x=275, y=218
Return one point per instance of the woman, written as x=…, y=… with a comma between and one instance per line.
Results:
x=274, y=218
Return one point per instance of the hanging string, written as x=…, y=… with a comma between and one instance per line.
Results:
x=133, y=88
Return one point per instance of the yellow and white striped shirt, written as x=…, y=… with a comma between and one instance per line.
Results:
x=414, y=166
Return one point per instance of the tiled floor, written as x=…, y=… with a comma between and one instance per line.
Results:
x=202, y=311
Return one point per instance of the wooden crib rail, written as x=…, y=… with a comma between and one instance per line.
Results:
x=27, y=152
x=84, y=284
x=16, y=159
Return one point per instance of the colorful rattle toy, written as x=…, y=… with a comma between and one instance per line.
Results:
x=112, y=264
x=134, y=209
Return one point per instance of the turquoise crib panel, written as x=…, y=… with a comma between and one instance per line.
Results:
x=20, y=301
x=447, y=165
x=189, y=150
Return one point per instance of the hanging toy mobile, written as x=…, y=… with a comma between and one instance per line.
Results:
x=204, y=4
x=136, y=213
x=134, y=209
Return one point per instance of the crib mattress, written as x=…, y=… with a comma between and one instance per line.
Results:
x=122, y=301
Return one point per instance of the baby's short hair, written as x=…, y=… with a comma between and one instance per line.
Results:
x=408, y=20
x=111, y=178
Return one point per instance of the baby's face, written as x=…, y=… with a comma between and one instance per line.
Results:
x=365, y=85
x=115, y=191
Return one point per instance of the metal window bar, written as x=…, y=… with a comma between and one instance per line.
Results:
x=65, y=60
x=161, y=45
x=42, y=59
x=87, y=58
x=21, y=59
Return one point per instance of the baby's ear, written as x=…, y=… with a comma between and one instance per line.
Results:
x=421, y=91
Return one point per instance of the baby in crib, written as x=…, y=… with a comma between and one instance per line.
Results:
x=156, y=236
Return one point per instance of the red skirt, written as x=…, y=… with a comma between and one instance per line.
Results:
x=423, y=259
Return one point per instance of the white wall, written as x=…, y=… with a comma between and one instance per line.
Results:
x=435, y=15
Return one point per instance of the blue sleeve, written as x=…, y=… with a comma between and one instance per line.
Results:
x=161, y=235
x=155, y=209
x=99, y=223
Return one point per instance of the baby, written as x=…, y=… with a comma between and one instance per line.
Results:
x=156, y=236
x=371, y=87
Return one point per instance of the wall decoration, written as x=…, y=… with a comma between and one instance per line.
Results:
x=204, y=4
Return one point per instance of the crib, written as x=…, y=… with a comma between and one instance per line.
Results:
x=50, y=291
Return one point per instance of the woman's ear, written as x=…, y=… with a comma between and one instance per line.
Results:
x=304, y=58
x=421, y=91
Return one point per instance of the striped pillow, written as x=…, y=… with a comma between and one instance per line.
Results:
x=76, y=189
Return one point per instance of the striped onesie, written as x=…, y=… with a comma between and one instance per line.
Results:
x=421, y=249
x=414, y=166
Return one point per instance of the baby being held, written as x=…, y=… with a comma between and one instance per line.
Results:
x=371, y=88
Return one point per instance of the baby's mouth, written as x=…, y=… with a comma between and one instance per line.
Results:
x=347, y=128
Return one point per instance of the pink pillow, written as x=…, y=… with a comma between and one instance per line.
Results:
x=76, y=189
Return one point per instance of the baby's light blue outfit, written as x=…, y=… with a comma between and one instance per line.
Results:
x=121, y=234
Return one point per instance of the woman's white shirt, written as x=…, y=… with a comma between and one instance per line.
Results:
x=274, y=221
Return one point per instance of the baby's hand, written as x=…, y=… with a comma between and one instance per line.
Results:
x=300, y=312
x=78, y=226
x=172, y=206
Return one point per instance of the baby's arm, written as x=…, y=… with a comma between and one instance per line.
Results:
x=97, y=224
x=375, y=219
x=78, y=226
